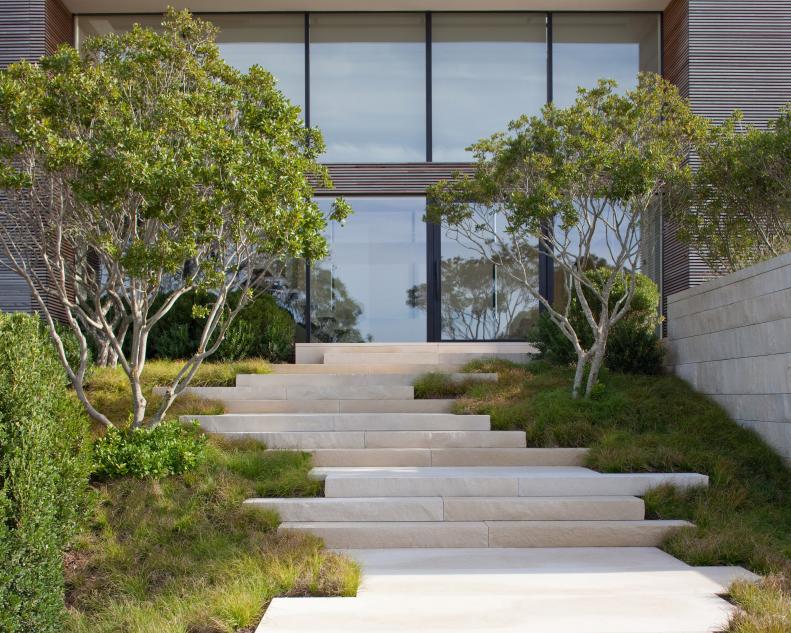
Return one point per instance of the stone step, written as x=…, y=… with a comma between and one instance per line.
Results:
x=303, y=392
x=357, y=369
x=418, y=358
x=394, y=457
x=339, y=406
x=309, y=440
x=474, y=534
x=493, y=482
x=455, y=509
x=314, y=352
x=385, y=422
x=342, y=379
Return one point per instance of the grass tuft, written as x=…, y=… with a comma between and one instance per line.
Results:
x=765, y=606
x=185, y=554
x=657, y=424
x=109, y=391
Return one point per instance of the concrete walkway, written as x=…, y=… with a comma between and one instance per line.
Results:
x=433, y=504
x=569, y=590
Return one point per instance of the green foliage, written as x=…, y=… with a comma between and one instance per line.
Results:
x=741, y=194
x=44, y=465
x=658, y=424
x=261, y=329
x=179, y=171
x=439, y=385
x=170, y=448
x=186, y=554
x=632, y=347
x=593, y=172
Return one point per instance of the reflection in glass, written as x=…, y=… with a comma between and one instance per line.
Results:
x=587, y=47
x=357, y=294
x=93, y=25
x=368, y=86
x=487, y=70
x=483, y=295
x=276, y=42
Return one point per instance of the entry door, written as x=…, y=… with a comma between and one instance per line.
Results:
x=372, y=287
x=471, y=299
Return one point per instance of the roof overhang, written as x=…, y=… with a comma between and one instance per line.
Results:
x=157, y=6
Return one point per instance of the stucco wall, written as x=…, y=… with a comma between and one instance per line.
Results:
x=730, y=338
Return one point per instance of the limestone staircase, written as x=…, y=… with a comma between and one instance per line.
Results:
x=406, y=473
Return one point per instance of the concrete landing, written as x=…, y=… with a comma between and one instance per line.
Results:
x=578, y=590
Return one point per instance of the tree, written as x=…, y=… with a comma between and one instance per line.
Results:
x=741, y=195
x=573, y=180
x=146, y=164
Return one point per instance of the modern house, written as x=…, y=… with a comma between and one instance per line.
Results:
x=399, y=93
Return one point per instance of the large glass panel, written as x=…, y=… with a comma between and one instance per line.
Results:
x=93, y=25
x=483, y=295
x=276, y=42
x=365, y=290
x=368, y=86
x=487, y=70
x=591, y=46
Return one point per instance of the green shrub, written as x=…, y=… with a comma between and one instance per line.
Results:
x=44, y=465
x=170, y=448
x=261, y=329
x=71, y=346
x=632, y=346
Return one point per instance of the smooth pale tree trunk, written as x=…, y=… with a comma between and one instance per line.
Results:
x=596, y=363
x=582, y=360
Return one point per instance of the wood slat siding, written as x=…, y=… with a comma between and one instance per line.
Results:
x=28, y=30
x=723, y=55
x=740, y=57
x=405, y=179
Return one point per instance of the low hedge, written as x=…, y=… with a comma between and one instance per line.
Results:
x=44, y=467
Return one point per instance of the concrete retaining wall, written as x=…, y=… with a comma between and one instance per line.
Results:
x=730, y=338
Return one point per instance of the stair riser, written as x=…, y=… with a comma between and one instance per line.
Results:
x=317, y=510
x=328, y=425
x=492, y=534
x=455, y=509
x=450, y=457
x=375, y=439
x=315, y=352
x=338, y=406
x=499, y=486
x=418, y=358
x=342, y=380
x=304, y=392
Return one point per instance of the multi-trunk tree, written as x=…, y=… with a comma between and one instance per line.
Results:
x=144, y=164
x=577, y=183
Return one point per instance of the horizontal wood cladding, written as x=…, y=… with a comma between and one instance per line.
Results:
x=22, y=30
x=59, y=26
x=675, y=59
x=740, y=57
x=388, y=178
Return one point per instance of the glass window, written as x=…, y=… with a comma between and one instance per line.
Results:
x=589, y=47
x=482, y=295
x=93, y=25
x=275, y=42
x=487, y=70
x=366, y=289
x=368, y=86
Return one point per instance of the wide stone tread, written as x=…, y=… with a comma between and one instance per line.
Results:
x=387, y=422
x=265, y=391
x=475, y=534
x=420, y=358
